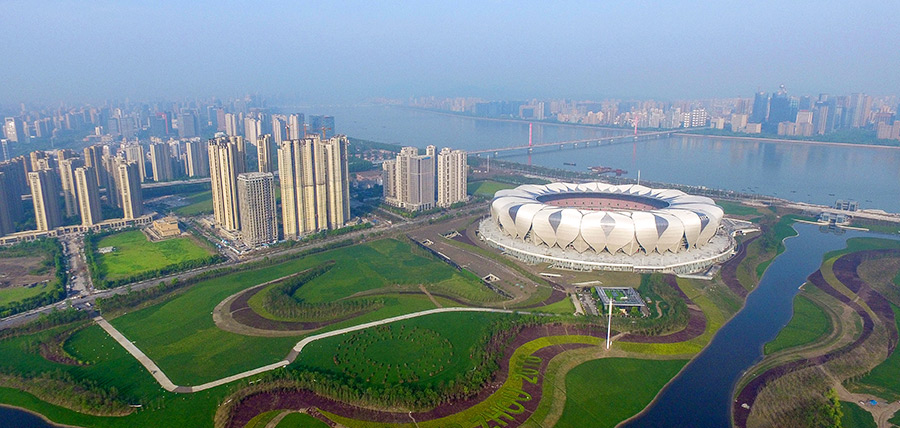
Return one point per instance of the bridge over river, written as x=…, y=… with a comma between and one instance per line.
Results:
x=573, y=144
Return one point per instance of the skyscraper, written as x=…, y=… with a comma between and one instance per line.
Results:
x=760, y=108
x=413, y=181
x=231, y=124
x=225, y=164
x=314, y=185
x=452, y=168
x=264, y=153
x=196, y=159
x=252, y=129
x=161, y=162
x=135, y=153
x=129, y=182
x=279, y=129
x=295, y=127
x=188, y=125
x=7, y=223
x=45, y=196
x=67, y=179
x=88, y=197
x=110, y=167
x=93, y=158
x=256, y=196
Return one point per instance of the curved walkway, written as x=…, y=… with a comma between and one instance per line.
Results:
x=170, y=386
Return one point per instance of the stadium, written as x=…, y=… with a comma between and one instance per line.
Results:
x=614, y=227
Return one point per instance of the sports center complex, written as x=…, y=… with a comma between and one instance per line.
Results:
x=598, y=226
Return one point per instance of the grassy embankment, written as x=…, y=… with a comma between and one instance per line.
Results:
x=808, y=323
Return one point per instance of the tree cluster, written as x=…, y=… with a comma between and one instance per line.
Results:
x=65, y=390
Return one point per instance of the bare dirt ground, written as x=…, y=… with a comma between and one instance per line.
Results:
x=15, y=272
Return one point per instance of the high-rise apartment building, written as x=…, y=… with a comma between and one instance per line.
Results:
x=93, y=159
x=279, y=129
x=225, y=164
x=88, y=197
x=129, y=182
x=452, y=171
x=161, y=162
x=135, y=153
x=231, y=124
x=15, y=130
x=188, y=125
x=295, y=127
x=110, y=167
x=409, y=180
x=314, y=185
x=67, y=180
x=252, y=129
x=45, y=196
x=264, y=153
x=7, y=222
x=256, y=196
x=196, y=159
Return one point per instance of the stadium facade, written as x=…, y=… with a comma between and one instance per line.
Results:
x=602, y=226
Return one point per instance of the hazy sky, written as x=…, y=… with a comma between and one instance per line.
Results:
x=347, y=51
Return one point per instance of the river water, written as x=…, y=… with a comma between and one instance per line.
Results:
x=15, y=418
x=802, y=172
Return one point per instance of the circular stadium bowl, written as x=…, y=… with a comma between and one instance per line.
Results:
x=603, y=218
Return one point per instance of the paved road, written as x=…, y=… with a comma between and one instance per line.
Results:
x=170, y=386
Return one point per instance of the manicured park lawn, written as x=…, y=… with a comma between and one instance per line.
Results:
x=487, y=187
x=808, y=324
x=421, y=351
x=377, y=265
x=735, y=208
x=300, y=420
x=200, y=203
x=134, y=254
x=110, y=366
x=181, y=337
x=604, y=392
x=855, y=416
x=15, y=294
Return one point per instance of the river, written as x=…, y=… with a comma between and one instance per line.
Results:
x=15, y=418
x=812, y=173
x=700, y=396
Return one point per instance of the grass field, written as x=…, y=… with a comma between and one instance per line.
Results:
x=262, y=419
x=134, y=254
x=419, y=352
x=487, y=188
x=604, y=392
x=886, y=376
x=377, y=265
x=736, y=208
x=199, y=203
x=15, y=294
x=808, y=324
x=181, y=337
x=300, y=420
x=855, y=416
x=110, y=366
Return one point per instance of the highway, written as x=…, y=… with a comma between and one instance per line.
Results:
x=605, y=141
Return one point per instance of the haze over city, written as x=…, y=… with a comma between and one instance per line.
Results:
x=349, y=51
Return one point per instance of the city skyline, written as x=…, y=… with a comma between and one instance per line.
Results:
x=578, y=50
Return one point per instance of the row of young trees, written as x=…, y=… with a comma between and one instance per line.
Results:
x=486, y=354
x=65, y=390
x=55, y=259
x=279, y=299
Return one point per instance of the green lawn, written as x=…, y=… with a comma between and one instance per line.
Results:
x=377, y=265
x=736, y=208
x=886, y=376
x=487, y=187
x=856, y=417
x=808, y=324
x=110, y=366
x=604, y=392
x=262, y=419
x=134, y=254
x=300, y=420
x=181, y=337
x=15, y=294
x=422, y=351
x=200, y=203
